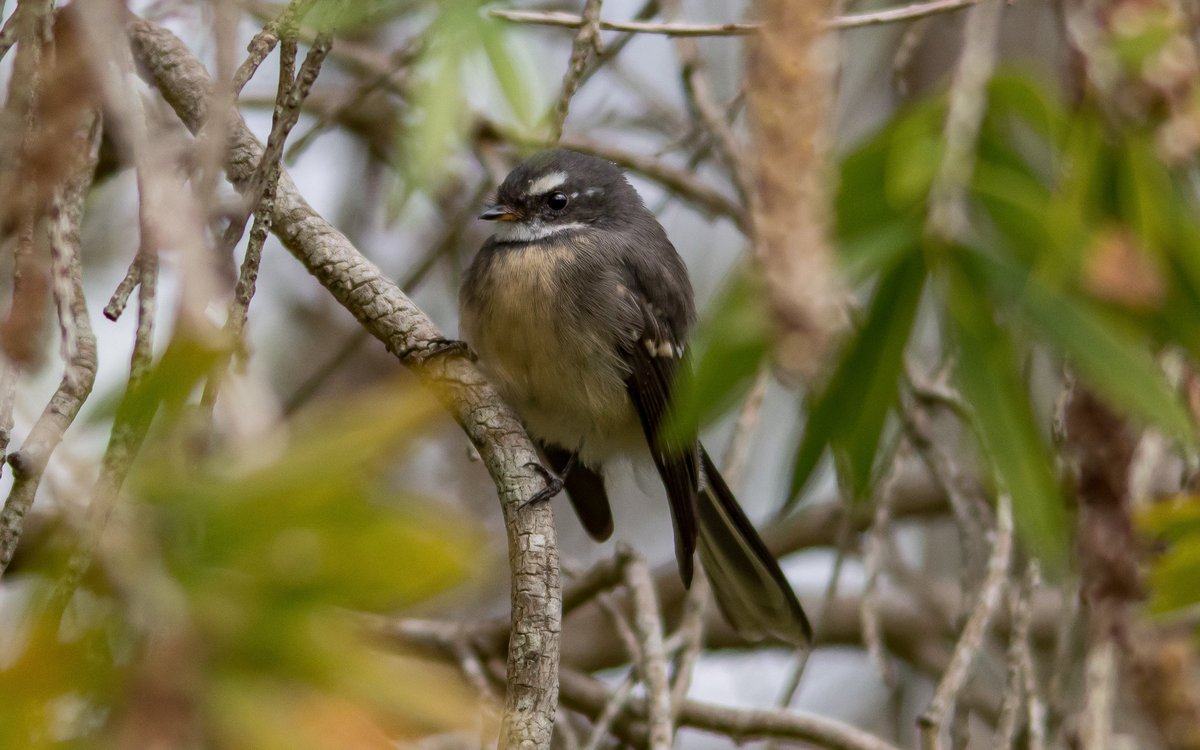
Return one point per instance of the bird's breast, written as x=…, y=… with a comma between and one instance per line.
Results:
x=540, y=337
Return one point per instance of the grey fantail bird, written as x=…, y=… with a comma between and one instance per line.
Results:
x=578, y=308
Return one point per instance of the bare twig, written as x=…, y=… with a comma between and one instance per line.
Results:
x=284, y=25
x=873, y=559
x=120, y=297
x=129, y=429
x=8, y=395
x=620, y=622
x=691, y=632
x=394, y=77
x=1099, y=696
x=680, y=29
x=292, y=90
x=647, y=624
x=1020, y=607
x=733, y=463
x=966, y=505
x=947, y=212
x=78, y=341
x=740, y=725
x=587, y=41
x=573, y=21
x=791, y=685
x=1035, y=705
x=971, y=640
x=898, y=15
x=8, y=34
x=508, y=454
x=700, y=98
x=616, y=703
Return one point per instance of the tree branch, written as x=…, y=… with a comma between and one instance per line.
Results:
x=78, y=341
x=383, y=309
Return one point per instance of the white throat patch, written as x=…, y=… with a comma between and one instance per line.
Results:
x=547, y=182
x=530, y=231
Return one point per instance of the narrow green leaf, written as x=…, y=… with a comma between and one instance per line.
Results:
x=851, y=412
x=988, y=376
x=1109, y=359
x=502, y=55
x=878, y=249
x=726, y=353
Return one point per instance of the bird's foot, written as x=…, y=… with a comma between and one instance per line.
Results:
x=554, y=482
x=448, y=347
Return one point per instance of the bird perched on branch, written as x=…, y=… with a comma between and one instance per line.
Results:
x=578, y=308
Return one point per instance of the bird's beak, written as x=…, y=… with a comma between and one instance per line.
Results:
x=499, y=213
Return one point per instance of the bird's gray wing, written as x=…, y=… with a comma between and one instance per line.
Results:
x=654, y=356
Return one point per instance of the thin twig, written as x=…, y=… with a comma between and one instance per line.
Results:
x=120, y=298
x=898, y=15
x=1035, y=704
x=947, y=212
x=292, y=91
x=573, y=21
x=78, y=341
x=1099, y=696
x=874, y=552
x=616, y=703
x=791, y=685
x=8, y=34
x=587, y=41
x=609, y=53
x=284, y=25
x=679, y=29
x=648, y=627
x=740, y=725
x=691, y=634
x=952, y=480
x=1022, y=701
x=129, y=428
x=9, y=373
x=620, y=623
x=701, y=100
x=733, y=463
x=393, y=78
x=971, y=640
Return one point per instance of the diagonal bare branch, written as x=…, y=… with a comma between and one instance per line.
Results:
x=383, y=309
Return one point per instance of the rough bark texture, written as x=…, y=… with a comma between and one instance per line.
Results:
x=384, y=310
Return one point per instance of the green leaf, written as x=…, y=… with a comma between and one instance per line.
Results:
x=1115, y=363
x=1021, y=95
x=1173, y=576
x=503, y=56
x=850, y=414
x=988, y=376
x=726, y=352
x=877, y=249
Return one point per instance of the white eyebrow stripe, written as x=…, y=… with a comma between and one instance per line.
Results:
x=547, y=182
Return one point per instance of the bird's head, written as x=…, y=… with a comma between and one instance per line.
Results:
x=558, y=192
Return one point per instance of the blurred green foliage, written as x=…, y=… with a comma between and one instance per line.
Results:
x=1083, y=248
x=1174, y=575
x=230, y=614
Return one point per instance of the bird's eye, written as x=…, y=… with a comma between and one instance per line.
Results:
x=556, y=201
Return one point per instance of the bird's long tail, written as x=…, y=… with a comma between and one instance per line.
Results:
x=749, y=587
